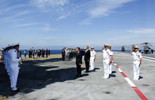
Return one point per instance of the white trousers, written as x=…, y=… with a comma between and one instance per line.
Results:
x=136, y=69
x=7, y=66
x=110, y=68
x=14, y=76
x=106, y=68
x=92, y=62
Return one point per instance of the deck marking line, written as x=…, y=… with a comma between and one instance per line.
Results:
x=139, y=93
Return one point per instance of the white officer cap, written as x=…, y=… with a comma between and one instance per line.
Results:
x=12, y=45
x=106, y=45
x=8, y=46
x=92, y=47
x=16, y=44
x=136, y=47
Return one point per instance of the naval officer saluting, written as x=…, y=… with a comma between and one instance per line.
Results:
x=137, y=57
x=78, y=61
x=87, y=58
x=107, y=60
x=14, y=68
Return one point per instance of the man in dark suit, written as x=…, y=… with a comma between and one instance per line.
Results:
x=78, y=61
x=87, y=58
x=30, y=53
x=63, y=54
x=47, y=53
x=43, y=52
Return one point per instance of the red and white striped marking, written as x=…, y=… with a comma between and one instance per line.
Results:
x=139, y=93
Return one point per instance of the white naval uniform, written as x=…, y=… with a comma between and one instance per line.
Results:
x=7, y=61
x=92, y=59
x=106, y=60
x=14, y=69
x=110, y=66
x=136, y=68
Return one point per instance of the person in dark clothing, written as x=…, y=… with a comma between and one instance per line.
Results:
x=87, y=58
x=43, y=52
x=152, y=51
x=47, y=51
x=78, y=62
x=30, y=53
x=63, y=54
x=33, y=54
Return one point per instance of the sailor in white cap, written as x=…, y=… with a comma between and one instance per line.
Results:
x=14, y=68
x=137, y=57
x=107, y=60
x=5, y=59
x=92, y=58
x=9, y=58
x=7, y=64
x=111, y=55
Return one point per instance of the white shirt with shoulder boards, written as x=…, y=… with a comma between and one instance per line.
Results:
x=14, y=58
x=136, y=56
x=106, y=54
x=92, y=53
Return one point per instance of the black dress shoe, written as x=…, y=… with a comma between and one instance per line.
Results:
x=79, y=76
x=15, y=90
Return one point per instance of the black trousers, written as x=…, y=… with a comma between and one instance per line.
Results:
x=63, y=57
x=78, y=69
x=42, y=55
x=30, y=56
x=87, y=65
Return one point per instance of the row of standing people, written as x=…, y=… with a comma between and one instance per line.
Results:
x=90, y=57
x=12, y=61
x=68, y=53
x=37, y=53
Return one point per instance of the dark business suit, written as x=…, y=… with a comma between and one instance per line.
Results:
x=78, y=61
x=46, y=53
x=86, y=58
x=63, y=54
x=43, y=53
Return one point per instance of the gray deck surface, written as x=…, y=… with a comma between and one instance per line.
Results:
x=91, y=86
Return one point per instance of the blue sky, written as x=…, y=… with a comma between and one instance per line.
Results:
x=57, y=23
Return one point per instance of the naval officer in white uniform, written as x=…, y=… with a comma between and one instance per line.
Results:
x=92, y=58
x=14, y=68
x=110, y=66
x=137, y=57
x=9, y=59
x=107, y=60
x=7, y=64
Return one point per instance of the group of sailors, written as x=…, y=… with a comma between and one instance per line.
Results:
x=68, y=53
x=12, y=61
x=90, y=57
x=37, y=53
